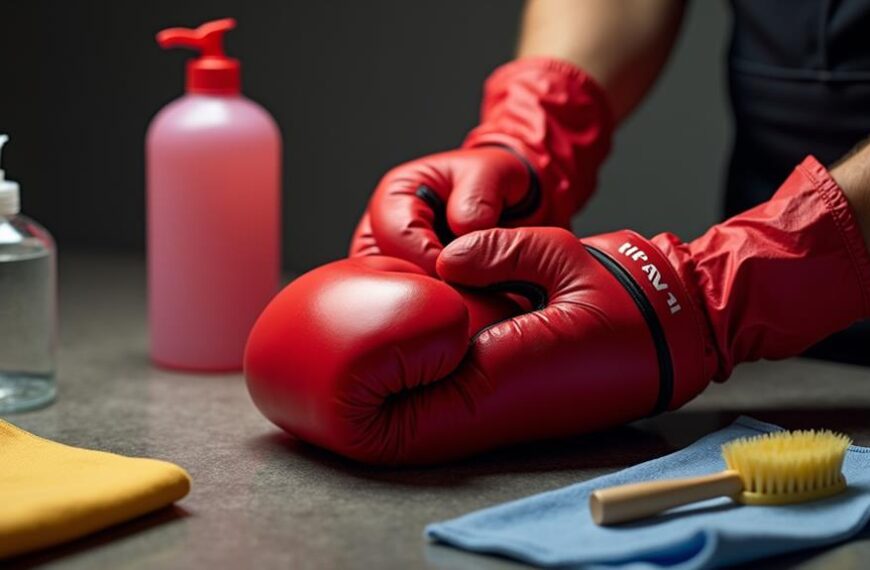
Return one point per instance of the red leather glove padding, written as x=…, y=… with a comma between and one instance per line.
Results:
x=533, y=160
x=377, y=365
x=327, y=352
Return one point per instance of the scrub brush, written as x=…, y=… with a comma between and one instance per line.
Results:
x=771, y=469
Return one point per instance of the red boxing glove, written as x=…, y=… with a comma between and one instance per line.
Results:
x=329, y=349
x=623, y=327
x=545, y=130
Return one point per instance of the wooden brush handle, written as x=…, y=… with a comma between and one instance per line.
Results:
x=640, y=500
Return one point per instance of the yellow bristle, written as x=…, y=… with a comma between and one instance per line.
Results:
x=786, y=467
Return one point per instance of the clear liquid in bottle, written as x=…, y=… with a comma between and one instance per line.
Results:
x=28, y=315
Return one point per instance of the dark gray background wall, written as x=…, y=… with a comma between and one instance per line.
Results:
x=356, y=87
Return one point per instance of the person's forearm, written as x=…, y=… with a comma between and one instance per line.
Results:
x=623, y=44
x=852, y=174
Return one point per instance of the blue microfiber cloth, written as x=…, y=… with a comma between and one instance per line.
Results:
x=555, y=528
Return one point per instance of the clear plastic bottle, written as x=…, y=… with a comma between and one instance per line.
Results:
x=28, y=306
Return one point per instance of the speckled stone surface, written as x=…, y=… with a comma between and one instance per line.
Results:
x=263, y=500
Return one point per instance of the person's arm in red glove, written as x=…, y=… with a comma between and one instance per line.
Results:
x=546, y=123
x=377, y=366
x=767, y=283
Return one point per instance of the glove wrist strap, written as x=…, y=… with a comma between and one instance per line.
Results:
x=667, y=308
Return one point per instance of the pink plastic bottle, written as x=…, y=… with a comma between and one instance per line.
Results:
x=213, y=162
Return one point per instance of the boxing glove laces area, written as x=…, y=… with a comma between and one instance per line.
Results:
x=666, y=366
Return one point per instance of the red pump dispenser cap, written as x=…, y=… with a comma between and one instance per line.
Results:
x=212, y=72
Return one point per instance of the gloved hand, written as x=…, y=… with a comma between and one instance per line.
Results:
x=533, y=160
x=381, y=370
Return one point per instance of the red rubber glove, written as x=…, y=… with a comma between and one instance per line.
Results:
x=533, y=160
x=378, y=367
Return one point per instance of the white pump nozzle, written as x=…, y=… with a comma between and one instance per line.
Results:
x=9, y=204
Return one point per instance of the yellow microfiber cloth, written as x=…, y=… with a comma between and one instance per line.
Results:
x=51, y=493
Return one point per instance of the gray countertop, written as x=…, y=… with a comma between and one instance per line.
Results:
x=262, y=500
